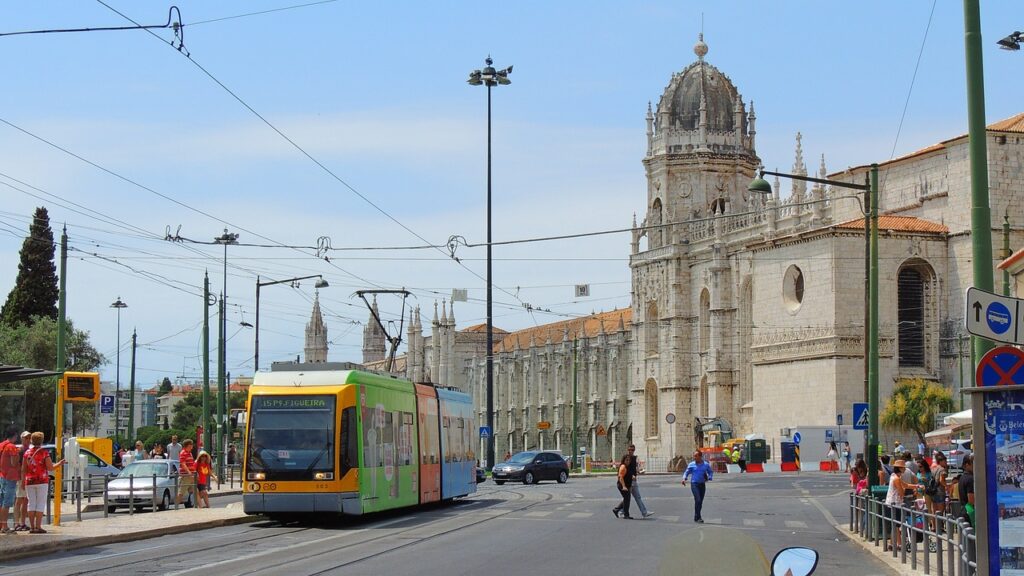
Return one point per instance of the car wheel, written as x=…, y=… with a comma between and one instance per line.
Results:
x=499, y=482
x=111, y=509
x=563, y=477
x=529, y=478
x=165, y=503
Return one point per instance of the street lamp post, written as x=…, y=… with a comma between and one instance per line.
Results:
x=320, y=284
x=225, y=239
x=870, y=209
x=489, y=77
x=117, y=386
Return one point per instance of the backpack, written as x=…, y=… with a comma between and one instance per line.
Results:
x=931, y=489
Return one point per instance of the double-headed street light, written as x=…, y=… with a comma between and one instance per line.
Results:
x=117, y=386
x=1011, y=42
x=489, y=77
x=321, y=283
x=869, y=208
x=226, y=239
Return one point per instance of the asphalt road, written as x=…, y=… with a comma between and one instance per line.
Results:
x=544, y=529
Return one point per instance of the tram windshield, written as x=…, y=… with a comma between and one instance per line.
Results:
x=291, y=437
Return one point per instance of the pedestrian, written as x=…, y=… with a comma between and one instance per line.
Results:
x=186, y=469
x=846, y=456
x=204, y=472
x=173, y=449
x=10, y=475
x=921, y=449
x=158, y=452
x=700, y=474
x=636, y=471
x=741, y=457
x=624, y=483
x=508, y=456
x=21, y=497
x=898, y=448
x=36, y=468
x=894, y=501
x=965, y=489
x=140, y=452
x=118, y=457
x=233, y=456
x=939, y=487
x=832, y=457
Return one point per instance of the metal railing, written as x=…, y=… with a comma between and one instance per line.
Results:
x=941, y=542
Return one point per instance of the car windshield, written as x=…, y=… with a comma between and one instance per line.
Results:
x=144, y=469
x=523, y=458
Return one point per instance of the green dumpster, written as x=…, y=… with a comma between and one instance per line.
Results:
x=877, y=506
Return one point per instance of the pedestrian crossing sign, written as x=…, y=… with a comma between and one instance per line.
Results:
x=860, y=415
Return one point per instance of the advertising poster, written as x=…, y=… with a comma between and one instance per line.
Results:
x=1009, y=481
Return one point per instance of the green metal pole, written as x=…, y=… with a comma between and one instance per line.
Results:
x=131, y=394
x=575, y=413
x=1006, y=252
x=872, y=456
x=220, y=386
x=960, y=356
x=207, y=430
x=62, y=328
x=981, y=214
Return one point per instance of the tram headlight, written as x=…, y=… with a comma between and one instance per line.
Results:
x=323, y=476
x=257, y=476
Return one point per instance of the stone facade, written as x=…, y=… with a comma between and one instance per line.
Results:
x=316, y=335
x=744, y=307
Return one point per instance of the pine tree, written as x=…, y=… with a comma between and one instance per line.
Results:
x=35, y=291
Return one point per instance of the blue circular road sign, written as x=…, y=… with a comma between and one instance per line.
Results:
x=796, y=438
x=998, y=317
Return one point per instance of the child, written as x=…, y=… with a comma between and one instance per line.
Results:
x=204, y=472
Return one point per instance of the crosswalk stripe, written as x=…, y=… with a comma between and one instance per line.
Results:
x=670, y=518
x=751, y=522
x=538, y=514
x=581, y=515
x=795, y=524
x=713, y=521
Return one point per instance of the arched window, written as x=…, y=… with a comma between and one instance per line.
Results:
x=656, y=233
x=910, y=316
x=705, y=321
x=651, y=328
x=651, y=404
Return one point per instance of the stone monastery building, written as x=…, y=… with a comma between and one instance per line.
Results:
x=744, y=307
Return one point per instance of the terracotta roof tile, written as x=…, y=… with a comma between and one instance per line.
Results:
x=586, y=327
x=898, y=224
x=483, y=328
x=1011, y=262
x=1013, y=124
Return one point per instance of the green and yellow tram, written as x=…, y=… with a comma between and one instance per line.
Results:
x=323, y=439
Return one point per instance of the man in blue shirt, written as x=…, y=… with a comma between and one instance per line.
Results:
x=699, y=472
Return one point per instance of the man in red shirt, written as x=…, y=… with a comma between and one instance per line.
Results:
x=186, y=470
x=10, y=475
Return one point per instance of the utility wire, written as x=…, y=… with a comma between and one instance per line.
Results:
x=282, y=9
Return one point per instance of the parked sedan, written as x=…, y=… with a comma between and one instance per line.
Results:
x=145, y=484
x=532, y=467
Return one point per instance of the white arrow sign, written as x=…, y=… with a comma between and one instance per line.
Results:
x=993, y=316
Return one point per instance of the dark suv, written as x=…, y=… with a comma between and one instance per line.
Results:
x=532, y=467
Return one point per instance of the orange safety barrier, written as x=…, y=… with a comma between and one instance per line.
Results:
x=755, y=468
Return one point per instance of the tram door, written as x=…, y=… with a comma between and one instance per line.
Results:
x=429, y=445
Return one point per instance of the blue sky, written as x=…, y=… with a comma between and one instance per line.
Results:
x=376, y=92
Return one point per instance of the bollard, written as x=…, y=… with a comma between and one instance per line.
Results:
x=131, y=494
x=177, y=479
x=78, y=491
x=106, y=498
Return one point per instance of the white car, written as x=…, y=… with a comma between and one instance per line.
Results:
x=957, y=450
x=145, y=484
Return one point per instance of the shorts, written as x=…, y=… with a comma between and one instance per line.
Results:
x=8, y=488
x=202, y=486
x=186, y=484
x=37, y=497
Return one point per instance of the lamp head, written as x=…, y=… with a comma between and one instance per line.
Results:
x=321, y=283
x=474, y=78
x=760, y=185
x=1011, y=42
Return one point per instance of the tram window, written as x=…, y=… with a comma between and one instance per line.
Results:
x=444, y=422
x=462, y=423
x=349, y=439
x=389, y=428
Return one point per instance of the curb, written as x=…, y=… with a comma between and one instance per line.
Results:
x=98, y=507
x=879, y=553
x=76, y=542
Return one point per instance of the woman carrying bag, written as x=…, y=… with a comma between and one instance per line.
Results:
x=624, y=484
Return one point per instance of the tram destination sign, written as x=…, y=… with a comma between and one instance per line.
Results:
x=993, y=316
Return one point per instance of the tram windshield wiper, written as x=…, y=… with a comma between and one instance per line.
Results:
x=318, y=457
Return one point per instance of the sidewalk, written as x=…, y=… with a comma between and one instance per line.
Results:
x=120, y=527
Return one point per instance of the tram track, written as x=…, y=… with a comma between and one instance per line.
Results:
x=141, y=561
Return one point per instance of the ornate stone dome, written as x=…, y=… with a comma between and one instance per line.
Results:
x=683, y=96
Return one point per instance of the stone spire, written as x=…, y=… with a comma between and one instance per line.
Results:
x=316, y=334
x=751, y=118
x=799, y=190
x=650, y=128
x=373, y=337
x=818, y=195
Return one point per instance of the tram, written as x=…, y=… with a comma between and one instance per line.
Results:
x=324, y=438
